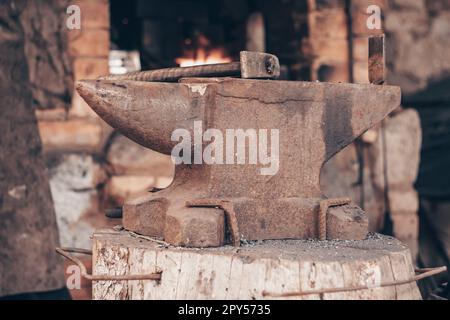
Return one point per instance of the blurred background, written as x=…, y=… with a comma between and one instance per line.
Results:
x=92, y=168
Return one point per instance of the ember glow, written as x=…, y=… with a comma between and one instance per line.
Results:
x=204, y=57
x=202, y=51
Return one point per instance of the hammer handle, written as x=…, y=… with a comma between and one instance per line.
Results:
x=174, y=74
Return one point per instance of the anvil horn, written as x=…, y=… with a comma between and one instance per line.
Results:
x=147, y=113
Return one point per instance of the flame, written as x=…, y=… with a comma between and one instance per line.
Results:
x=202, y=56
x=202, y=52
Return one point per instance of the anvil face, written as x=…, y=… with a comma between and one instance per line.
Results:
x=313, y=120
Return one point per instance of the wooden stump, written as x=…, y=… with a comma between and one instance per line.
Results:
x=246, y=272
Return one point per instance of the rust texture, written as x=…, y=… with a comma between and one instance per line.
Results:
x=315, y=121
x=252, y=65
x=323, y=210
x=377, y=63
x=65, y=252
x=228, y=208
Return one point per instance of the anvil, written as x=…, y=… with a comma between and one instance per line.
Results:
x=315, y=120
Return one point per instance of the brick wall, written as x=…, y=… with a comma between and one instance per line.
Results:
x=328, y=39
x=91, y=167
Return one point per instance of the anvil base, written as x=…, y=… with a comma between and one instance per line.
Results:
x=170, y=219
x=164, y=214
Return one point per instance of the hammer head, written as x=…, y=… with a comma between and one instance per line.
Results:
x=259, y=65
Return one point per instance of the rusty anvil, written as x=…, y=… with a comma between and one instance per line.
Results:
x=315, y=121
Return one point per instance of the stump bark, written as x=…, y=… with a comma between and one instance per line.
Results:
x=247, y=272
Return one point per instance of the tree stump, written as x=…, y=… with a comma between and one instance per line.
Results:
x=258, y=270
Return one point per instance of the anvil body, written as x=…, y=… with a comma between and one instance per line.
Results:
x=315, y=120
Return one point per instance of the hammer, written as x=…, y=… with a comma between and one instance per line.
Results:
x=252, y=65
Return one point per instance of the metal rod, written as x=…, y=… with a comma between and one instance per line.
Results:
x=425, y=273
x=65, y=253
x=174, y=74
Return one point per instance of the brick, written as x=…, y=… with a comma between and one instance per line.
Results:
x=361, y=72
x=80, y=109
x=72, y=135
x=403, y=136
x=403, y=201
x=122, y=188
x=360, y=49
x=407, y=22
x=58, y=114
x=330, y=49
x=89, y=43
x=360, y=16
x=90, y=68
x=323, y=5
x=410, y=4
x=129, y=158
x=94, y=14
x=363, y=4
x=330, y=71
x=406, y=229
x=330, y=24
